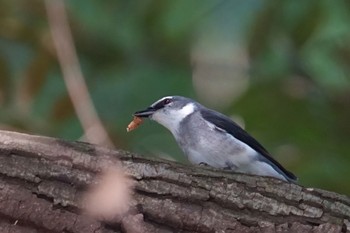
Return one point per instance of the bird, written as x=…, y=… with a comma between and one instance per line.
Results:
x=210, y=138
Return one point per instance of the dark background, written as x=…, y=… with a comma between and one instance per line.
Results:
x=280, y=68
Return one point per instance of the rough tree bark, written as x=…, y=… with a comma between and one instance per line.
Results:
x=42, y=180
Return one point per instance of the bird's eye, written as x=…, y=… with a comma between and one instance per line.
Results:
x=166, y=101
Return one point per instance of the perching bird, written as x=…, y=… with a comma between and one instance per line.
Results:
x=211, y=138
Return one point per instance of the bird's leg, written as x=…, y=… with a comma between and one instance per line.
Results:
x=230, y=166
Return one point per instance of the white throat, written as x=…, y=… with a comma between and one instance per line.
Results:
x=171, y=118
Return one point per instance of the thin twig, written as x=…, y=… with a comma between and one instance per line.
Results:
x=72, y=74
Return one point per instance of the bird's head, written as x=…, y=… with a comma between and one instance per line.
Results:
x=169, y=111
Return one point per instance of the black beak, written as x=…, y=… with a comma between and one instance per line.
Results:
x=145, y=113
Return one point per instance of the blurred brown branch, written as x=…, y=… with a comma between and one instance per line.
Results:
x=72, y=74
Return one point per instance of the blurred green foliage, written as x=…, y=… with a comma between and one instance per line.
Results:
x=297, y=102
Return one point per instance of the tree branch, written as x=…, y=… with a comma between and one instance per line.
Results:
x=72, y=74
x=42, y=180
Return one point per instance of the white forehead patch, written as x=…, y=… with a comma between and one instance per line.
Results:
x=158, y=101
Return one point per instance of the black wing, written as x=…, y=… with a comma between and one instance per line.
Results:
x=225, y=123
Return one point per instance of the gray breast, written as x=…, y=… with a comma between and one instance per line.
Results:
x=205, y=143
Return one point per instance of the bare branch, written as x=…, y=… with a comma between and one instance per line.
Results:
x=72, y=74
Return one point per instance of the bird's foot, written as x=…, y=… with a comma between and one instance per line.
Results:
x=230, y=166
x=202, y=164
